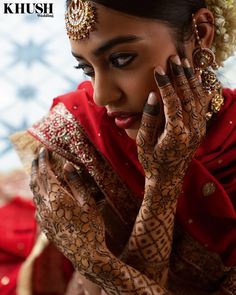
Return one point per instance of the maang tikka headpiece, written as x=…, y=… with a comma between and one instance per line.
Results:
x=80, y=19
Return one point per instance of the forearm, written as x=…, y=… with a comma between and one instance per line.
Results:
x=150, y=243
x=116, y=277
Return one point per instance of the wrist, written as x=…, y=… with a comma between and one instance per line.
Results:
x=159, y=182
x=160, y=197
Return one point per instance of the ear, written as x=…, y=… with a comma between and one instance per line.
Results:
x=206, y=28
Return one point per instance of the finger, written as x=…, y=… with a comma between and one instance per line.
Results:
x=147, y=133
x=195, y=84
x=199, y=94
x=172, y=105
x=78, y=184
x=184, y=92
x=34, y=174
x=43, y=175
x=38, y=218
x=34, y=186
x=46, y=175
x=42, y=161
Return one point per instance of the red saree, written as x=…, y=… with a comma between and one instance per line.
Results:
x=81, y=132
x=17, y=237
x=50, y=273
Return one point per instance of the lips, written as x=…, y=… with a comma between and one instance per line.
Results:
x=125, y=120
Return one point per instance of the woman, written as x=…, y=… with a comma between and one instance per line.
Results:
x=137, y=183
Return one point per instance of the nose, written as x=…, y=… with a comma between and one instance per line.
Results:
x=106, y=91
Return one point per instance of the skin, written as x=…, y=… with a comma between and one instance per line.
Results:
x=168, y=134
x=127, y=89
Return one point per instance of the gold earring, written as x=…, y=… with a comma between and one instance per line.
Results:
x=204, y=64
x=204, y=58
x=80, y=19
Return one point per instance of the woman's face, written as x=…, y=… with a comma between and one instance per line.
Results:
x=120, y=57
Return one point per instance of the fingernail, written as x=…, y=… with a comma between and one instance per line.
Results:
x=42, y=152
x=187, y=68
x=176, y=66
x=152, y=107
x=69, y=167
x=175, y=59
x=186, y=63
x=160, y=77
x=70, y=171
x=152, y=99
x=160, y=71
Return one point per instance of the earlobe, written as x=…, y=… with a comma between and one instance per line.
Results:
x=206, y=29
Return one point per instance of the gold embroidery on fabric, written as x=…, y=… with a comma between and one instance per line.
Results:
x=63, y=134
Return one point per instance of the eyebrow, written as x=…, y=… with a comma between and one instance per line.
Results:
x=109, y=44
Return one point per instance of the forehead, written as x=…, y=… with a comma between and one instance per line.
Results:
x=110, y=20
x=112, y=24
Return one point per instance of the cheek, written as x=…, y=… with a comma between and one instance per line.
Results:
x=137, y=86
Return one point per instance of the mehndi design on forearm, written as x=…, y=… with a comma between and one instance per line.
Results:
x=150, y=243
x=119, y=278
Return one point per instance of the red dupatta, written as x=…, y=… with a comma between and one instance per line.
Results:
x=206, y=207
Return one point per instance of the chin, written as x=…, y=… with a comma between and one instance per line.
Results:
x=132, y=133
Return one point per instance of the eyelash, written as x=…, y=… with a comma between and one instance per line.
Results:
x=113, y=60
x=83, y=67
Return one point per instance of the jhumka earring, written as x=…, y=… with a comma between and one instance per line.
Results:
x=204, y=63
x=80, y=19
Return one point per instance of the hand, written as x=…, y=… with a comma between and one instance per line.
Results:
x=167, y=155
x=69, y=217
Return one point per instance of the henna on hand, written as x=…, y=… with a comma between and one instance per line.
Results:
x=72, y=222
x=185, y=126
x=165, y=159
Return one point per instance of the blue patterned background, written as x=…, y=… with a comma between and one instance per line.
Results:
x=35, y=66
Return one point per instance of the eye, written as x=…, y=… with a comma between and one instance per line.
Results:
x=120, y=60
x=87, y=69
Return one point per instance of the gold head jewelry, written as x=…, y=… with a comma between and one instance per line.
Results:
x=204, y=61
x=80, y=19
